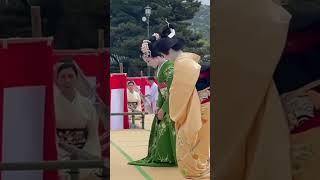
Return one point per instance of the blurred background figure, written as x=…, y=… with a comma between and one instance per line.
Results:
x=153, y=94
x=76, y=118
x=134, y=99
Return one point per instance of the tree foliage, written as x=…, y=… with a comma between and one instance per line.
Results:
x=128, y=30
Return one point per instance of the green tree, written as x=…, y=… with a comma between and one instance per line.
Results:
x=201, y=21
x=127, y=29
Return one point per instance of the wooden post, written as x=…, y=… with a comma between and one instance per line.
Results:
x=36, y=21
x=121, y=68
x=133, y=125
x=74, y=174
x=101, y=38
x=4, y=2
x=5, y=44
x=141, y=73
x=142, y=118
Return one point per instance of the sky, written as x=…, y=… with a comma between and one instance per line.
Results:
x=207, y=2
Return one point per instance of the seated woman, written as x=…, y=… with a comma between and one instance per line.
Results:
x=134, y=101
x=76, y=119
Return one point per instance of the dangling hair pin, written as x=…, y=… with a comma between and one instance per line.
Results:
x=166, y=20
x=145, y=48
x=172, y=31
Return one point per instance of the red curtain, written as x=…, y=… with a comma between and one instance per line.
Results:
x=31, y=64
x=119, y=81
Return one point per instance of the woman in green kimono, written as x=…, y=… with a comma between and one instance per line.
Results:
x=162, y=141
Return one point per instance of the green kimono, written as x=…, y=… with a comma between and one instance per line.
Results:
x=162, y=141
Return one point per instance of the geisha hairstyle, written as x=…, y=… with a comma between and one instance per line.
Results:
x=130, y=82
x=66, y=64
x=148, y=48
x=169, y=40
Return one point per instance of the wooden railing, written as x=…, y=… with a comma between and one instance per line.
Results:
x=72, y=165
x=133, y=114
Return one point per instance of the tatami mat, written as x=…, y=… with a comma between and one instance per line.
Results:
x=132, y=144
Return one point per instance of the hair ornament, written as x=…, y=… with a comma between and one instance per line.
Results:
x=156, y=35
x=145, y=48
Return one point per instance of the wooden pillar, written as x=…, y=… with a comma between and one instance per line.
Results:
x=5, y=44
x=101, y=38
x=121, y=68
x=4, y=2
x=36, y=21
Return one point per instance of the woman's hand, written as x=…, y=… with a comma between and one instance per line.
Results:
x=160, y=114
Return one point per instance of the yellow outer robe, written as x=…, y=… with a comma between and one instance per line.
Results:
x=185, y=110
